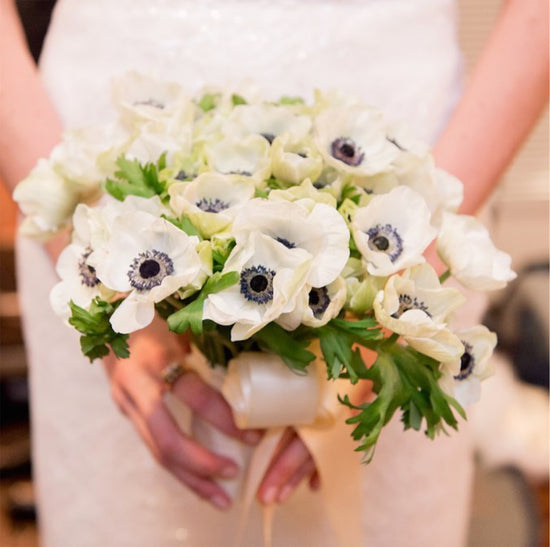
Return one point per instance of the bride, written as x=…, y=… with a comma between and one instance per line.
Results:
x=97, y=482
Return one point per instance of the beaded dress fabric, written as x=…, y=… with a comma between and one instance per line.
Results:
x=97, y=483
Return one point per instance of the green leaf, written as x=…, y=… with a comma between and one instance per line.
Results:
x=190, y=316
x=209, y=101
x=337, y=339
x=293, y=352
x=291, y=100
x=184, y=224
x=238, y=99
x=136, y=179
x=363, y=331
x=403, y=378
x=97, y=333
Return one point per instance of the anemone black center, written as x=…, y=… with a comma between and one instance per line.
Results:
x=313, y=298
x=87, y=273
x=347, y=150
x=384, y=238
x=259, y=283
x=381, y=243
x=269, y=137
x=149, y=268
x=288, y=244
x=465, y=361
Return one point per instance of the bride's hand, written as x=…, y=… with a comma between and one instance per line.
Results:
x=291, y=464
x=138, y=388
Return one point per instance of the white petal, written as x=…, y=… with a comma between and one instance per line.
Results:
x=133, y=314
x=466, y=248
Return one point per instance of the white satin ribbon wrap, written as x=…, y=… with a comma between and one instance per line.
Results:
x=264, y=393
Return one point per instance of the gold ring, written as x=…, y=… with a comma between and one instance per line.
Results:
x=171, y=373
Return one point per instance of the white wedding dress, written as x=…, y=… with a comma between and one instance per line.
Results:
x=97, y=483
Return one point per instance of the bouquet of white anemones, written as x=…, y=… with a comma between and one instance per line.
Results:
x=281, y=228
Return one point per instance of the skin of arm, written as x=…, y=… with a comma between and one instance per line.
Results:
x=30, y=124
x=502, y=101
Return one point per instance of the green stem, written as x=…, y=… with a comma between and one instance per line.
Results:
x=176, y=302
x=444, y=276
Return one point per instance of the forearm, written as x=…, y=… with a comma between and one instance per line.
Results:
x=30, y=124
x=506, y=94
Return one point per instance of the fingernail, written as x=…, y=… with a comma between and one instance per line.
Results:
x=220, y=502
x=229, y=472
x=269, y=495
x=285, y=493
x=252, y=437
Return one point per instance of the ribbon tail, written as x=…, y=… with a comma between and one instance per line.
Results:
x=268, y=514
x=339, y=469
x=259, y=463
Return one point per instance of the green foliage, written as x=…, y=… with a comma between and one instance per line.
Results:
x=220, y=254
x=291, y=100
x=277, y=184
x=184, y=224
x=209, y=101
x=237, y=99
x=97, y=333
x=190, y=316
x=337, y=339
x=135, y=179
x=402, y=378
x=293, y=351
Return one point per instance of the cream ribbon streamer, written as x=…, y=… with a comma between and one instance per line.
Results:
x=264, y=393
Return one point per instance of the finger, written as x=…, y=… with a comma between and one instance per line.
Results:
x=175, y=448
x=205, y=488
x=210, y=405
x=285, y=465
x=315, y=481
x=304, y=471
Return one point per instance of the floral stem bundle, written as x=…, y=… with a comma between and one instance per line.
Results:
x=278, y=227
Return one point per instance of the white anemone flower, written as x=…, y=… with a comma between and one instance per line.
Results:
x=149, y=259
x=441, y=191
x=321, y=231
x=81, y=156
x=212, y=200
x=271, y=277
x=382, y=183
x=304, y=193
x=93, y=226
x=247, y=156
x=400, y=135
x=416, y=306
x=331, y=181
x=465, y=246
x=362, y=287
x=152, y=140
x=316, y=306
x=462, y=378
x=295, y=159
x=268, y=120
x=354, y=140
x=46, y=199
x=392, y=231
x=79, y=281
x=140, y=98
